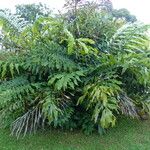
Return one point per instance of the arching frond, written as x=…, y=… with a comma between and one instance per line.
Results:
x=130, y=38
x=45, y=58
x=16, y=90
x=13, y=21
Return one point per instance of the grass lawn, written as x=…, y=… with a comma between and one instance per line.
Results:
x=128, y=135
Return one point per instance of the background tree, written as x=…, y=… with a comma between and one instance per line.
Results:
x=106, y=5
x=30, y=11
x=124, y=14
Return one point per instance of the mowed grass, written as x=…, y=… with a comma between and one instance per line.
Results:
x=127, y=135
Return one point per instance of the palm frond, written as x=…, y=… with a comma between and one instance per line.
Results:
x=29, y=122
x=13, y=21
x=130, y=38
x=127, y=106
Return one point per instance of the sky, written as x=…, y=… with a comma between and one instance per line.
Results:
x=140, y=8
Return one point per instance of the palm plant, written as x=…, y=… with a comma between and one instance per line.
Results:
x=59, y=78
